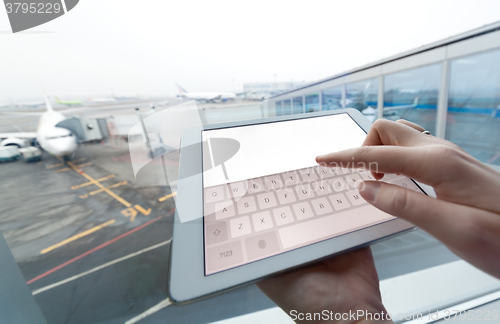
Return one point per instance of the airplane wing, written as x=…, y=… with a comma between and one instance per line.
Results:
x=18, y=135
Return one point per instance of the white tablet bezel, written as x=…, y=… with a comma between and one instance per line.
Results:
x=187, y=280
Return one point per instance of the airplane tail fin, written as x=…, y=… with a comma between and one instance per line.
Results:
x=47, y=103
x=181, y=90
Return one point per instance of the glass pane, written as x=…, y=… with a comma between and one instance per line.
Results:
x=331, y=99
x=278, y=108
x=474, y=106
x=287, y=107
x=298, y=105
x=413, y=95
x=363, y=96
x=312, y=102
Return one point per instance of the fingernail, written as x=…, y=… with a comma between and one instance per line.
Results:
x=319, y=158
x=369, y=190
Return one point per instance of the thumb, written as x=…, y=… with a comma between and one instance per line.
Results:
x=437, y=217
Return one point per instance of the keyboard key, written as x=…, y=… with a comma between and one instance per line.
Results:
x=366, y=175
x=224, y=210
x=339, y=201
x=341, y=170
x=240, y=226
x=303, y=210
x=246, y=205
x=255, y=186
x=274, y=182
x=260, y=245
x=321, y=228
x=321, y=188
x=325, y=172
x=291, y=178
x=224, y=256
x=286, y=196
x=262, y=221
x=338, y=184
x=353, y=180
x=355, y=198
x=266, y=200
x=238, y=189
x=304, y=191
x=214, y=194
x=216, y=233
x=283, y=216
x=308, y=175
x=321, y=206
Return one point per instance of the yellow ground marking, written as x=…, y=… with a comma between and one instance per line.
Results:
x=129, y=212
x=99, y=185
x=110, y=187
x=54, y=165
x=78, y=166
x=142, y=210
x=61, y=164
x=90, y=183
x=167, y=196
x=77, y=236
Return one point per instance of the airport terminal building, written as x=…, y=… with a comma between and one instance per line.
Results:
x=450, y=87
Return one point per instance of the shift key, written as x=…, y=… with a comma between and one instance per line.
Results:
x=224, y=256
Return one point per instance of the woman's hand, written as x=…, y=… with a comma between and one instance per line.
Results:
x=466, y=214
x=341, y=285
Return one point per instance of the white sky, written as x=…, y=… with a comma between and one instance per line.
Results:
x=143, y=47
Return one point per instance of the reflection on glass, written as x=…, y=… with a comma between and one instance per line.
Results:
x=278, y=108
x=474, y=105
x=298, y=105
x=413, y=95
x=331, y=98
x=287, y=107
x=312, y=102
x=363, y=96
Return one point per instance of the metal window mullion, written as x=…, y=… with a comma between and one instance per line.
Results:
x=380, y=97
x=320, y=99
x=303, y=104
x=442, y=108
x=343, y=95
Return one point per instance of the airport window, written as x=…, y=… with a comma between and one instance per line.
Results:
x=312, y=102
x=278, y=108
x=363, y=97
x=474, y=105
x=331, y=98
x=287, y=107
x=298, y=105
x=413, y=95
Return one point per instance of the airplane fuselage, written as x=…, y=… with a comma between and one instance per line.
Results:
x=55, y=140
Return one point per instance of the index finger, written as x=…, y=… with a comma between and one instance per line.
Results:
x=418, y=163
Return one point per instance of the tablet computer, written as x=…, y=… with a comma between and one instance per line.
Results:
x=252, y=201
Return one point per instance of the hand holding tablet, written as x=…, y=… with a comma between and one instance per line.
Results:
x=271, y=208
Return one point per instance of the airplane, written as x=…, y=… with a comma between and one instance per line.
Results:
x=371, y=113
x=55, y=140
x=69, y=103
x=205, y=96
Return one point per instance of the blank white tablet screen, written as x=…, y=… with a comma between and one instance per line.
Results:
x=273, y=197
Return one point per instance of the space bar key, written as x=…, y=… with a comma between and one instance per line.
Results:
x=332, y=225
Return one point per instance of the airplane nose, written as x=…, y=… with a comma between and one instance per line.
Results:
x=68, y=146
